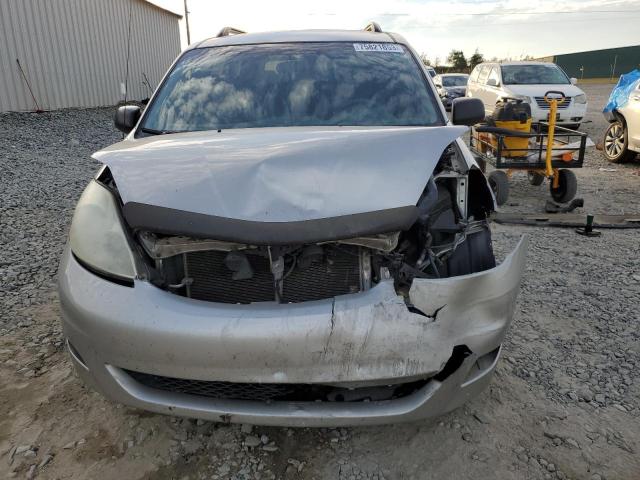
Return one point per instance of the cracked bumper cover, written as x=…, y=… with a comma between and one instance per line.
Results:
x=369, y=338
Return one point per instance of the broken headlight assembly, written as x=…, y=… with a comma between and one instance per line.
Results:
x=97, y=237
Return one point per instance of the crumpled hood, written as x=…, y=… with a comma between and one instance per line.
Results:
x=279, y=174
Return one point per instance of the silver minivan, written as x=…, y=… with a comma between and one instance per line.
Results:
x=292, y=233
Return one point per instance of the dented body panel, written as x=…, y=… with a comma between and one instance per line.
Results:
x=368, y=338
x=290, y=275
x=279, y=174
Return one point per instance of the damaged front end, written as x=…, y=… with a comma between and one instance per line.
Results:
x=446, y=234
x=403, y=304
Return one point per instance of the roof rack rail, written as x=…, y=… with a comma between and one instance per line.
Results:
x=226, y=31
x=373, y=27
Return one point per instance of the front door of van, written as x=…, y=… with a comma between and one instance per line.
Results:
x=492, y=90
x=481, y=92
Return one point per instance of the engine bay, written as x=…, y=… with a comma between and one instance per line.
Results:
x=450, y=237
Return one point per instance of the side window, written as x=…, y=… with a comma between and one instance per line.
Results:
x=474, y=75
x=484, y=73
x=494, y=75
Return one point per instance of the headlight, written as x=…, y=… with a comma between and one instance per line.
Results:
x=582, y=98
x=524, y=98
x=97, y=237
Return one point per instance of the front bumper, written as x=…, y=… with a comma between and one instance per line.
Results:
x=364, y=339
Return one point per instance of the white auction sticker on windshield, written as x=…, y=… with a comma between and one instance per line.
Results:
x=378, y=47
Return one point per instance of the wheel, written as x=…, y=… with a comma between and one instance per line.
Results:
x=535, y=178
x=499, y=183
x=615, y=144
x=567, y=186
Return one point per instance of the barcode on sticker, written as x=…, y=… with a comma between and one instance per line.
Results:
x=378, y=47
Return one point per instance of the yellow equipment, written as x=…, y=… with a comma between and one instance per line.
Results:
x=514, y=115
x=549, y=171
x=507, y=142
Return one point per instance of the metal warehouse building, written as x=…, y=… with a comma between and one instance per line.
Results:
x=73, y=53
x=608, y=63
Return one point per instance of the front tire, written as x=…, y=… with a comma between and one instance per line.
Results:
x=499, y=183
x=615, y=148
x=567, y=186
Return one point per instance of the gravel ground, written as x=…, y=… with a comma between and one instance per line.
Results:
x=564, y=402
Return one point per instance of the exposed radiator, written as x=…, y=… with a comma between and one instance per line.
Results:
x=212, y=279
x=338, y=273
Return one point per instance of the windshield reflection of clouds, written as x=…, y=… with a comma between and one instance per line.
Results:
x=291, y=85
x=533, y=75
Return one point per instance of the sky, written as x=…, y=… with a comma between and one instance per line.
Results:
x=497, y=28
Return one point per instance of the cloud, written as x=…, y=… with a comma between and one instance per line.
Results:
x=292, y=86
x=437, y=26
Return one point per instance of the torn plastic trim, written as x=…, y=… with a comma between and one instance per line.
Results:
x=169, y=221
x=480, y=298
x=473, y=310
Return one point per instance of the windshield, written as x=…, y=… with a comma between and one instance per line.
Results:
x=455, y=81
x=533, y=75
x=299, y=84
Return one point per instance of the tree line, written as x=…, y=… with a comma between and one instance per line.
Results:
x=457, y=62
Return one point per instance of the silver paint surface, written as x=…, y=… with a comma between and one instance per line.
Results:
x=280, y=174
x=361, y=339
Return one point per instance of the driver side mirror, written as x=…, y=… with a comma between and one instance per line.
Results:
x=126, y=117
x=573, y=80
x=467, y=111
x=492, y=82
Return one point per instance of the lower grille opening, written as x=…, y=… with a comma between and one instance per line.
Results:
x=276, y=392
x=296, y=392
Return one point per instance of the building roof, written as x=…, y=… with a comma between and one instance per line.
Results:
x=150, y=2
x=599, y=50
x=303, y=36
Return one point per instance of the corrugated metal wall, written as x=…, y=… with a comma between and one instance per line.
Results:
x=607, y=63
x=74, y=51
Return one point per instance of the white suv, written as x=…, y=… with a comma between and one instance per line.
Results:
x=528, y=81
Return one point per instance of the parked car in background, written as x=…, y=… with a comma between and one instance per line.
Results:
x=292, y=233
x=529, y=81
x=431, y=71
x=450, y=86
x=622, y=137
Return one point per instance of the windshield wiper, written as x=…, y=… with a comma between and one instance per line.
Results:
x=151, y=131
